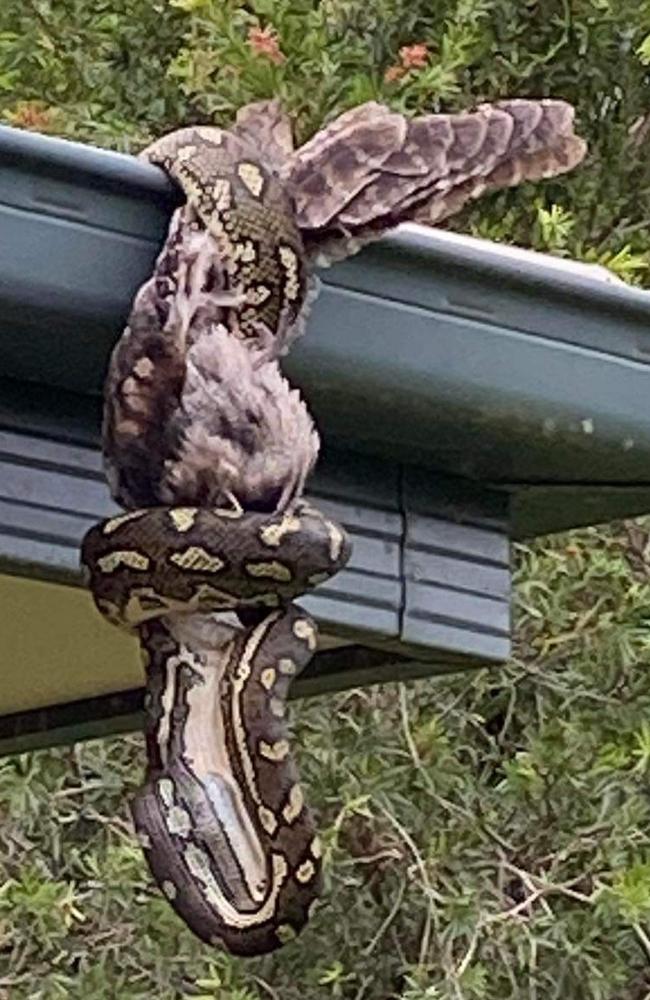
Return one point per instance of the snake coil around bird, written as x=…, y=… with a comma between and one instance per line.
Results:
x=208, y=450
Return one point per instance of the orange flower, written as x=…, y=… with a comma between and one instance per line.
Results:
x=264, y=42
x=31, y=115
x=414, y=56
x=394, y=73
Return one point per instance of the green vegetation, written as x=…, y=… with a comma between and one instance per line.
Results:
x=486, y=835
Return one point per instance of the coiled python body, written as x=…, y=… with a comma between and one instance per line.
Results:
x=221, y=818
x=208, y=449
x=248, y=212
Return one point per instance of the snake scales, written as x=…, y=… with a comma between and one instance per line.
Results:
x=222, y=817
x=208, y=449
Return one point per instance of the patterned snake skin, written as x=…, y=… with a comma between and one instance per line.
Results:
x=208, y=450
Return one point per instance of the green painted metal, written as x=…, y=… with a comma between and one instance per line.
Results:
x=511, y=370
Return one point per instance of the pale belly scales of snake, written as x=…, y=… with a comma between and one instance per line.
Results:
x=221, y=817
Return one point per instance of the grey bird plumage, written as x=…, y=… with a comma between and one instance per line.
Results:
x=240, y=432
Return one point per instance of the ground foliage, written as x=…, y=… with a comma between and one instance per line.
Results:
x=486, y=835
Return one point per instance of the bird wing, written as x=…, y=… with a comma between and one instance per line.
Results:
x=372, y=168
